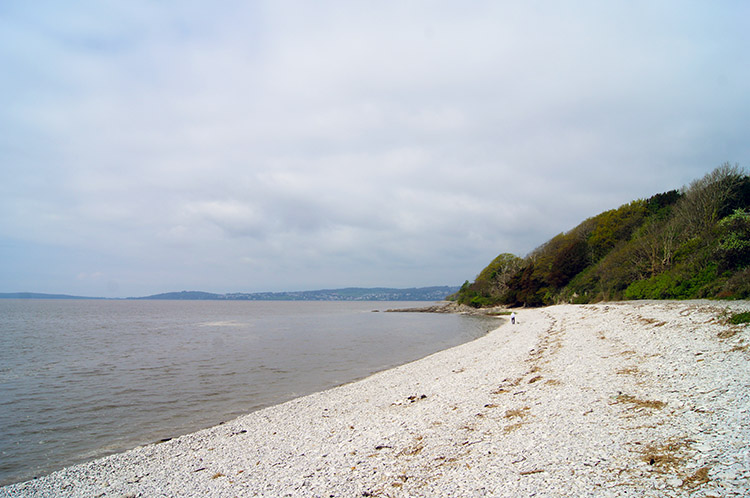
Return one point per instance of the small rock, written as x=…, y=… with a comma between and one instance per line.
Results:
x=675, y=482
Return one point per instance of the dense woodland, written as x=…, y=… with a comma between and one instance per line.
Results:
x=682, y=244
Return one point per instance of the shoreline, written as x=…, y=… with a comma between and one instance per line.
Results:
x=611, y=399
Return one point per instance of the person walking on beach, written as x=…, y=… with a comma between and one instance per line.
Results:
x=513, y=317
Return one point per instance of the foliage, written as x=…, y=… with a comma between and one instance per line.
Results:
x=737, y=286
x=491, y=283
x=739, y=318
x=614, y=226
x=525, y=289
x=691, y=243
x=733, y=249
x=672, y=285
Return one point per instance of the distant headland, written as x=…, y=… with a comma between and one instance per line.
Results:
x=435, y=293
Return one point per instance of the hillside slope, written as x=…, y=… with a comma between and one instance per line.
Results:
x=682, y=244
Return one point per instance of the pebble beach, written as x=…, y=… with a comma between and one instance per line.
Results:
x=610, y=399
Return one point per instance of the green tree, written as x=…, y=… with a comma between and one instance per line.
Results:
x=734, y=240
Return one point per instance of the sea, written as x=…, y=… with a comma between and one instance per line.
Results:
x=82, y=379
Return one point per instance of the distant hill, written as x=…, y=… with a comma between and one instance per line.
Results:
x=437, y=293
x=184, y=296
x=682, y=244
x=37, y=295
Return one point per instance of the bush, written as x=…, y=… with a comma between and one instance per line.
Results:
x=671, y=285
x=739, y=318
x=737, y=286
x=658, y=287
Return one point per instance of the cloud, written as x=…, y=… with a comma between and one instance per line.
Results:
x=289, y=145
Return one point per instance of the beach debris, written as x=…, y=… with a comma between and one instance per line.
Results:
x=652, y=321
x=506, y=384
x=512, y=427
x=639, y=403
x=668, y=457
x=517, y=412
x=530, y=472
x=699, y=477
x=410, y=399
x=414, y=449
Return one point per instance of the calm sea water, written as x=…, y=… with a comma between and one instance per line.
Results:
x=83, y=379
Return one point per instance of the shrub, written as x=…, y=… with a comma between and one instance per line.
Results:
x=737, y=286
x=672, y=285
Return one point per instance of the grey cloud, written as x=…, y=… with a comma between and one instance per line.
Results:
x=299, y=145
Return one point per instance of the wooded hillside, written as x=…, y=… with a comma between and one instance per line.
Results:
x=682, y=244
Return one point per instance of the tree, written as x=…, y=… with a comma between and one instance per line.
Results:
x=734, y=240
x=654, y=249
x=706, y=199
x=492, y=283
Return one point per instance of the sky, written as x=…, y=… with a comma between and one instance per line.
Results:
x=246, y=146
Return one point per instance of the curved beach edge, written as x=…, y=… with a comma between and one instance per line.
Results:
x=611, y=399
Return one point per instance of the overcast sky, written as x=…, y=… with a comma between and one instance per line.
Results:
x=235, y=146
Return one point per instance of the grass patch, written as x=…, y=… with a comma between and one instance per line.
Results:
x=739, y=318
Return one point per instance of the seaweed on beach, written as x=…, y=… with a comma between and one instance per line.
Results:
x=512, y=427
x=665, y=456
x=639, y=403
x=517, y=412
x=670, y=457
